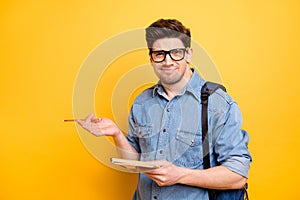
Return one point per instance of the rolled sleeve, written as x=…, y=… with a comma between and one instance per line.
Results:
x=240, y=159
x=231, y=145
x=131, y=136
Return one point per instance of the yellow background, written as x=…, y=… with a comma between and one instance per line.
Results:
x=255, y=45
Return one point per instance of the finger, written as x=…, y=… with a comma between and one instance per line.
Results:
x=89, y=117
x=153, y=173
x=161, y=163
x=146, y=170
x=96, y=120
x=164, y=163
x=80, y=122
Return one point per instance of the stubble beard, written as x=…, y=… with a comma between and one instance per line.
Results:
x=173, y=78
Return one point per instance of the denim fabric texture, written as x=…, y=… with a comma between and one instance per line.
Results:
x=162, y=129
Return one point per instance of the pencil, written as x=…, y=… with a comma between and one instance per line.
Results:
x=69, y=120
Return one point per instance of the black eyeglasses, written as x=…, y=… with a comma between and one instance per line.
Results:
x=175, y=54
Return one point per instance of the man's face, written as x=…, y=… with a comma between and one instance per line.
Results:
x=170, y=71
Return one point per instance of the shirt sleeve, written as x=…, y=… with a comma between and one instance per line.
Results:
x=231, y=143
x=131, y=136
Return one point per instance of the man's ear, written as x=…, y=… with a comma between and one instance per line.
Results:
x=189, y=55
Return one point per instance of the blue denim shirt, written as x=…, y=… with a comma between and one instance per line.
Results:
x=162, y=129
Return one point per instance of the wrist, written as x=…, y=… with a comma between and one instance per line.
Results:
x=119, y=137
x=118, y=133
x=186, y=176
x=182, y=175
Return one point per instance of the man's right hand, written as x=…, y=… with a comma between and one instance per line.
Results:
x=99, y=126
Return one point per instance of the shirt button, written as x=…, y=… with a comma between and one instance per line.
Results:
x=161, y=151
x=168, y=110
x=192, y=142
x=165, y=130
x=155, y=197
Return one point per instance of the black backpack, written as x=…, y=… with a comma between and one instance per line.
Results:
x=239, y=194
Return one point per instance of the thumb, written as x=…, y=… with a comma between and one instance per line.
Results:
x=89, y=117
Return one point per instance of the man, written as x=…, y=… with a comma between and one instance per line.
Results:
x=165, y=126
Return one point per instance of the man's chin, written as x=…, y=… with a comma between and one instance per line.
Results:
x=169, y=80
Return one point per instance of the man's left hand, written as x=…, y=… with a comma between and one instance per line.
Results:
x=167, y=174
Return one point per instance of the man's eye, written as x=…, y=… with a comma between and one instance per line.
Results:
x=176, y=51
x=161, y=53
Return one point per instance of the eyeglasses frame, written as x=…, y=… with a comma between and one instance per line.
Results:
x=168, y=53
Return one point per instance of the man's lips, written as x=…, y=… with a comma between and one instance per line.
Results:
x=167, y=69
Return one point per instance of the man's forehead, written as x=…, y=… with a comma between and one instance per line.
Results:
x=167, y=43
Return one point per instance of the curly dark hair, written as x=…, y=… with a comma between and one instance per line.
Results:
x=167, y=28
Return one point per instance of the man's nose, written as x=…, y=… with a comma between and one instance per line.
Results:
x=168, y=60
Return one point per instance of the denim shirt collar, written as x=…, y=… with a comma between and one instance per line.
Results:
x=193, y=86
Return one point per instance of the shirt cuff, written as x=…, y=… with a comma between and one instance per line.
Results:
x=239, y=165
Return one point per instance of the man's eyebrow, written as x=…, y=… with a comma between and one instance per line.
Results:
x=168, y=50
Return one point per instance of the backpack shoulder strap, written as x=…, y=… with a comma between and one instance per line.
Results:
x=207, y=89
x=210, y=87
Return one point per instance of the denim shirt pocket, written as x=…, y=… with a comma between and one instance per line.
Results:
x=188, y=147
x=145, y=136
